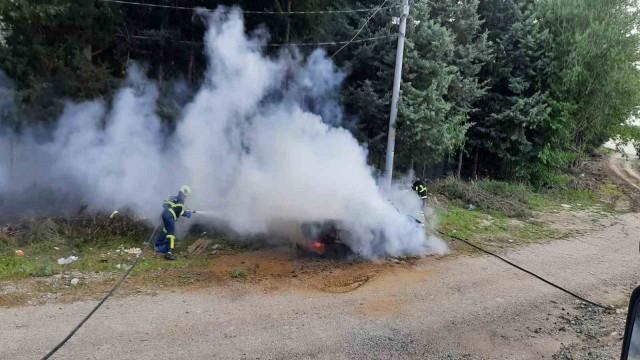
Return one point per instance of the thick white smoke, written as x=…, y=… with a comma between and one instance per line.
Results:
x=258, y=144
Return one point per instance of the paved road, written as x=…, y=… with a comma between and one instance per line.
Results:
x=452, y=308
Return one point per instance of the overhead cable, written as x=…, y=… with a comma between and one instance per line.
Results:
x=313, y=12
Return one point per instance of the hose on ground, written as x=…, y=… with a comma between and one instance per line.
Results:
x=526, y=271
x=124, y=277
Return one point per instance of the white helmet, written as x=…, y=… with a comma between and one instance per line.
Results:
x=185, y=189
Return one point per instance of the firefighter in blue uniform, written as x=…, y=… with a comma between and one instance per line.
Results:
x=173, y=209
x=420, y=187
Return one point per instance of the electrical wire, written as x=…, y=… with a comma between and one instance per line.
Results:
x=359, y=30
x=146, y=244
x=526, y=271
x=271, y=45
x=314, y=12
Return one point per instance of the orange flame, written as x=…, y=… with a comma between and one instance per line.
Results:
x=319, y=247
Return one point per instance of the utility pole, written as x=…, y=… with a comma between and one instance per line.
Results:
x=391, y=137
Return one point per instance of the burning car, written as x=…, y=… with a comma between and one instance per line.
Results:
x=331, y=238
x=324, y=238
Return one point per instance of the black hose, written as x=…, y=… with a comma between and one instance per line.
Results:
x=126, y=274
x=527, y=271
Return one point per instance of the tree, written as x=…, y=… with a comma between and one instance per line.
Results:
x=54, y=49
x=594, y=76
x=509, y=126
x=446, y=48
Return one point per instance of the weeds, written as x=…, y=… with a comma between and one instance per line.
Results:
x=238, y=273
x=504, y=198
x=21, y=267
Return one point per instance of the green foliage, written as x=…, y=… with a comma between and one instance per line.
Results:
x=545, y=172
x=54, y=49
x=511, y=117
x=239, y=273
x=593, y=76
x=21, y=267
x=445, y=50
x=527, y=85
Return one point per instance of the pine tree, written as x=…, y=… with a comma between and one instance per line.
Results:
x=445, y=50
x=515, y=108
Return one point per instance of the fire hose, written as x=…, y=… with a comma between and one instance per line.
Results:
x=606, y=307
x=126, y=274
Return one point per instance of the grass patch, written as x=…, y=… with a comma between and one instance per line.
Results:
x=239, y=273
x=467, y=224
x=502, y=211
x=21, y=267
x=610, y=189
x=514, y=200
x=507, y=199
x=40, y=259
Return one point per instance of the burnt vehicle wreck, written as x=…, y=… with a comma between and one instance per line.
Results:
x=331, y=238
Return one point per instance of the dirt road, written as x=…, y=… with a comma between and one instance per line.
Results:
x=623, y=170
x=449, y=308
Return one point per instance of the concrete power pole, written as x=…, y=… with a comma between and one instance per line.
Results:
x=391, y=137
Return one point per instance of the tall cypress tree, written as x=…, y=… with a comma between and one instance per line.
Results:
x=446, y=48
x=515, y=108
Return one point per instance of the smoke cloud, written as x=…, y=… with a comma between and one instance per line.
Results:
x=259, y=143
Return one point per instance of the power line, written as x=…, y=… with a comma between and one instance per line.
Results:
x=347, y=42
x=359, y=30
x=270, y=45
x=316, y=12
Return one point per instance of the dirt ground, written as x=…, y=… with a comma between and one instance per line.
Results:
x=436, y=308
x=288, y=306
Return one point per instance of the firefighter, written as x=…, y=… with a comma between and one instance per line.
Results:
x=173, y=209
x=420, y=187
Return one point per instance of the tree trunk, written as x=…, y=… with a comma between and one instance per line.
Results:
x=286, y=34
x=86, y=52
x=474, y=172
x=160, y=71
x=11, y=158
x=190, y=68
x=459, y=170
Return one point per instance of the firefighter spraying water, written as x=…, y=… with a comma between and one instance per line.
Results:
x=173, y=209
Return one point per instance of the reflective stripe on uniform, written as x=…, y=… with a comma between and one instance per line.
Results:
x=172, y=240
x=172, y=204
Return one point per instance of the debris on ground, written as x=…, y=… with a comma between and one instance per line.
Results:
x=199, y=246
x=74, y=281
x=566, y=206
x=19, y=253
x=598, y=334
x=135, y=251
x=123, y=266
x=69, y=260
x=216, y=247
